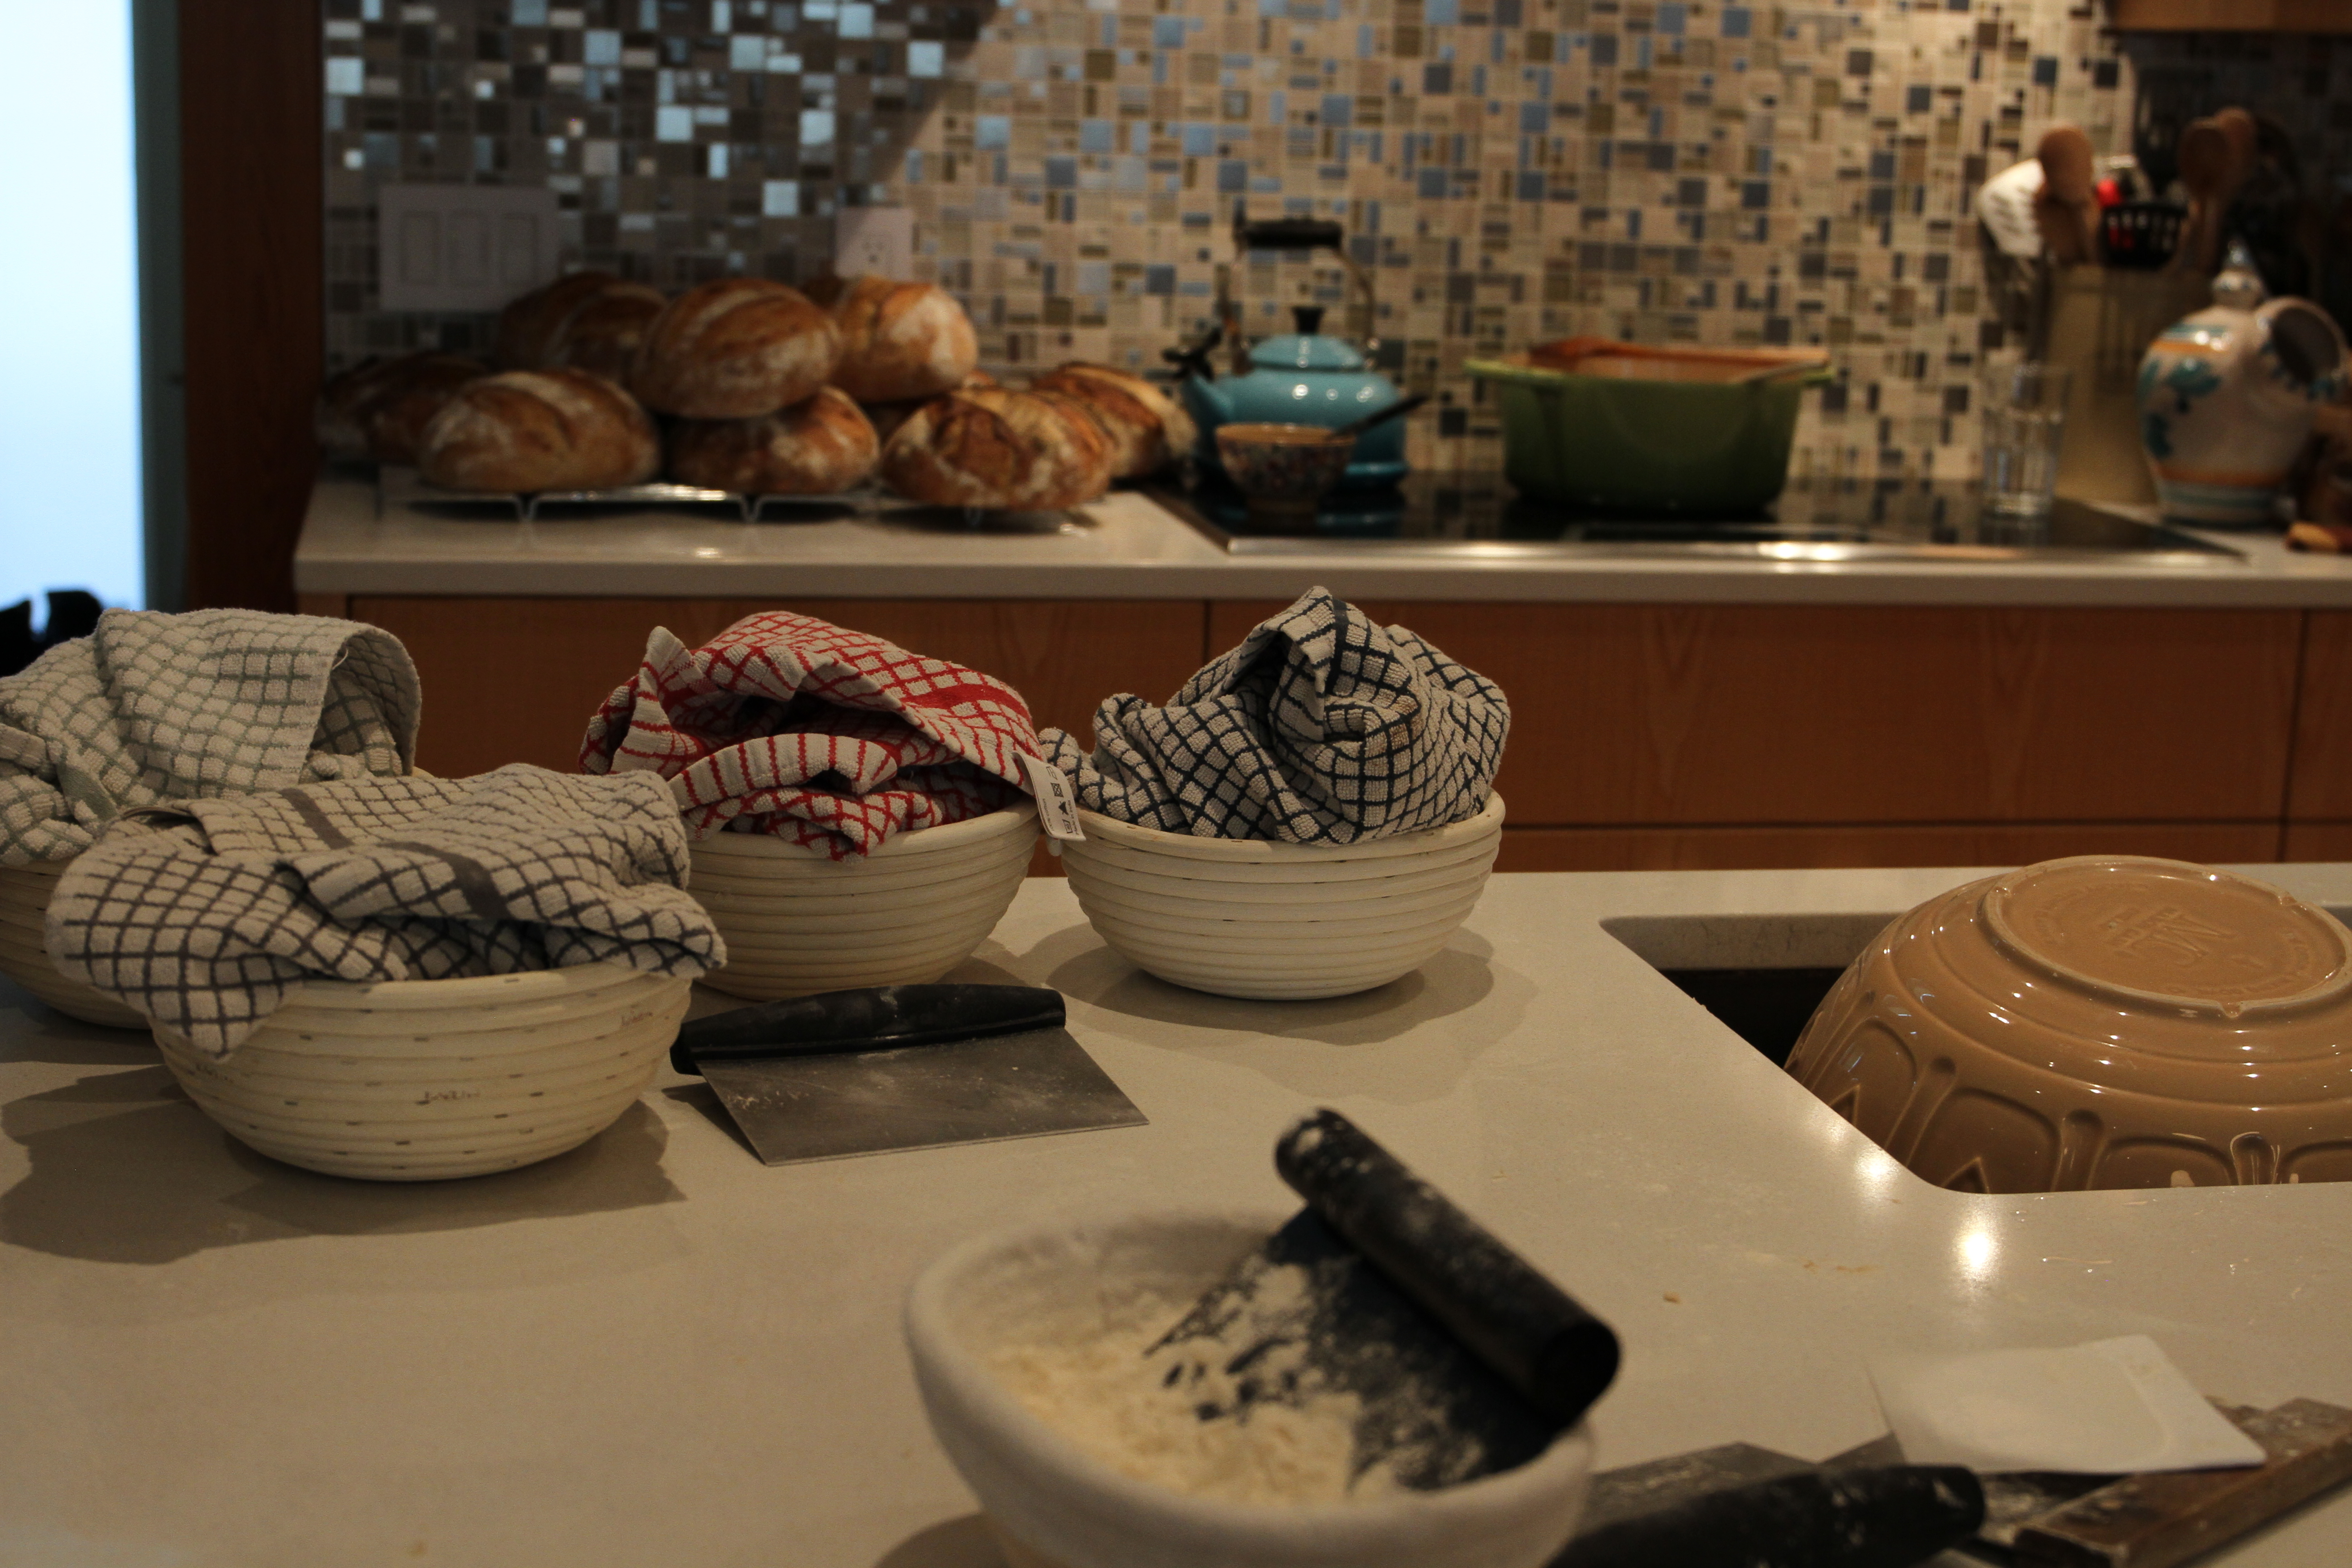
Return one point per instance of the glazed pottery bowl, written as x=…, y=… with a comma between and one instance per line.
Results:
x=1284, y=465
x=1246, y=917
x=797, y=921
x=23, y=953
x=414, y=1080
x=1055, y=1505
x=2098, y=1022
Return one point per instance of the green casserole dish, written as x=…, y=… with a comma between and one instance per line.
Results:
x=1648, y=429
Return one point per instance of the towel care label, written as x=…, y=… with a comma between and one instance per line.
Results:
x=1058, y=806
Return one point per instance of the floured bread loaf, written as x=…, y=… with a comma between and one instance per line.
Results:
x=380, y=409
x=899, y=340
x=986, y=446
x=532, y=430
x=821, y=447
x=1147, y=429
x=887, y=417
x=734, y=349
x=589, y=320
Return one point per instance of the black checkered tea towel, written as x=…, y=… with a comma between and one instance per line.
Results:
x=153, y=708
x=205, y=915
x=1323, y=727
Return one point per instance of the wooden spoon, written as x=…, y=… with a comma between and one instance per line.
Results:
x=2067, y=210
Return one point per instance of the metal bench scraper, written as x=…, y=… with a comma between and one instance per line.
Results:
x=901, y=1066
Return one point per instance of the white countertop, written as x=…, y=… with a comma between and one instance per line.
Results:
x=656, y=1350
x=1128, y=548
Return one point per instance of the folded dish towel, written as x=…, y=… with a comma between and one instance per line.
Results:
x=153, y=708
x=202, y=916
x=790, y=725
x=1323, y=727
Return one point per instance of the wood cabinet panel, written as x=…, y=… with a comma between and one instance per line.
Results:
x=2321, y=784
x=1974, y=844
x=2317, y=841
x=2233, y=15
x=1627, y=715
x=517, y=679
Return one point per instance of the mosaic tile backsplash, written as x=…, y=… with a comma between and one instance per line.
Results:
x=1509, y=171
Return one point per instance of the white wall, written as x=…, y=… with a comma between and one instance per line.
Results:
x=69, y=485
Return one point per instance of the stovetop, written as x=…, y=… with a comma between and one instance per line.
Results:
x=1480, y=517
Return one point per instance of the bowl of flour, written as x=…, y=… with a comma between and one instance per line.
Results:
x=1033, y=1350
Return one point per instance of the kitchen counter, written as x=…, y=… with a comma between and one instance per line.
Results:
x=1128, y=548
x=656, y=1350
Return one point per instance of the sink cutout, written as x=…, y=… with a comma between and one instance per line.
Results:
x=1760, y=975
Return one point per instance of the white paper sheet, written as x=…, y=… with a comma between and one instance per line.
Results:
x=2110, y=1407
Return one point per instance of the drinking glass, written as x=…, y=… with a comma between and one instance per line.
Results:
x=2024, y=419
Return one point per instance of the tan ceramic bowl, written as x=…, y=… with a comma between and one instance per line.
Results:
x=2098, y=1022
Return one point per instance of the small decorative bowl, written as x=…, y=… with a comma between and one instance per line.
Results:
x=1056, y=1505
x=1284, y=467
x=2103, y=1021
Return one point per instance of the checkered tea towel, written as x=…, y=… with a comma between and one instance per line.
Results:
x=153, y=708
x=790, y=725
x=204, y=915
x=1323, y=727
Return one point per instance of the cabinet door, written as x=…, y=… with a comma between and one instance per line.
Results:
x=1971, y=844
x=1634, y=714
x=517, y=679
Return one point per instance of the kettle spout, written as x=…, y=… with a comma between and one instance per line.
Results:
x=1210, y=404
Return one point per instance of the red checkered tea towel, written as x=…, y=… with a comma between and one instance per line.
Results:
x=790, y=725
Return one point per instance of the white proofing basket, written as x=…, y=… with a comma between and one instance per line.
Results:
x=25, y=957
x=798, y=921
x=413, y=1080
x=1251, y=918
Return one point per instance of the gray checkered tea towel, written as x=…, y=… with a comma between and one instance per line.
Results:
x=1323, y=727
x=152, y=708
x=204, y=915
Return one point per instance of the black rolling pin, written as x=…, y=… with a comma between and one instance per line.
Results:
x=1554, y=1354
x=1889, y=1518
x=869, y=1019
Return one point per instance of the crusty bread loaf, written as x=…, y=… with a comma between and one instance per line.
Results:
x=885, y=418
x=590, y=320
x=991, y=447
x=901, y=340
x=820, y=446
x=532, y=430
x=734, y=349
x=1147, y=429
x=380, y=409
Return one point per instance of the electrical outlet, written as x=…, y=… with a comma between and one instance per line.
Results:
x=463, y=248
x=879, y=240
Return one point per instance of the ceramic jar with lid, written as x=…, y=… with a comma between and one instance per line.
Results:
x=2226, y=399
x=2098, y=1022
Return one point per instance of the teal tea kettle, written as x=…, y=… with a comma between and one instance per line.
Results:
x=1297, y=378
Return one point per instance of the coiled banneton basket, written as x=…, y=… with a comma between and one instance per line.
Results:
x=25, y=956
x=798, y=921
x=1251, y=918
x=414, y=1080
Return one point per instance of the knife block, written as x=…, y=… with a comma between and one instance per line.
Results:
x=2101, y=321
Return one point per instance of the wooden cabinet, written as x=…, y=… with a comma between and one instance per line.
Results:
x=2233, y=15
x=1643, y=736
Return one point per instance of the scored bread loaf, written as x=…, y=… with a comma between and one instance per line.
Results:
x=1147, y=429
x=820, y=446
x=734, y=349
x=379, y=409
x=885, y=418
x=899, y=340
x=589, y=320
x=531, y=430
x=987, y=447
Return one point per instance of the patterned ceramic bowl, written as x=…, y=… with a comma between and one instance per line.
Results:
x=1284, y=466
x=2098, y=1022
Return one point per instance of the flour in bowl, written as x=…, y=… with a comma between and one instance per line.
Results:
x=1143, y=1415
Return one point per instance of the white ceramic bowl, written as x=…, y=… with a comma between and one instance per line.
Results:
x=25, y=956
x=413, y=1080
x=1247, y=917
x=796, y=920
x=1056, y=1506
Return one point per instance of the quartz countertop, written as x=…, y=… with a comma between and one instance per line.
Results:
x=655, y=1349
x=1126, y=547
